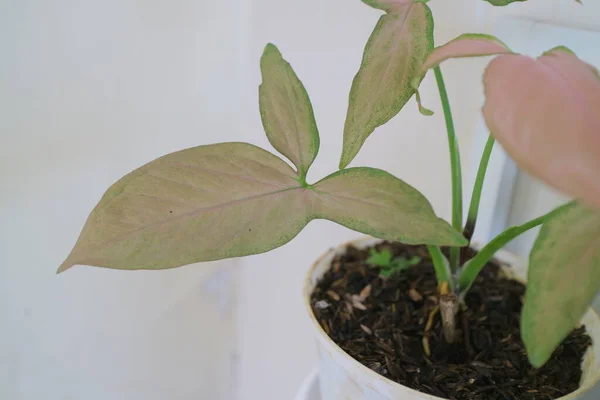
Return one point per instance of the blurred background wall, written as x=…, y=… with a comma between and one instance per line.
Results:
x=89, y=90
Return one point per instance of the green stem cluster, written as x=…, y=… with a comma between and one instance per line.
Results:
x=461, y=279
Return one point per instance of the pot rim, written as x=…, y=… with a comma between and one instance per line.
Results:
x=324, y=338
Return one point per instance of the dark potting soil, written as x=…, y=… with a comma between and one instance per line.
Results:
x=382, y=324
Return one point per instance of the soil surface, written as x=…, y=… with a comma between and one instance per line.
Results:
x=382, y=324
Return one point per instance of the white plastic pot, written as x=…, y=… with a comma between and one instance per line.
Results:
x=341, y=377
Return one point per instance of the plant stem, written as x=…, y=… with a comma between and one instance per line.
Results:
x=449, y=309
x=455, y=167
x=440, y=265
x=474, y=266
x=477, y=188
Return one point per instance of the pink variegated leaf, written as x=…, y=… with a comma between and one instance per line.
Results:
x=392, y=58
x=507, y=2
x=387, y=5
x=504, y=2
x=544, y=112
x=234, y=199
x=563, y=279
x=466, y=45
x=199, y=204
x=375, y=202
x=560, y=50
x=286, y=111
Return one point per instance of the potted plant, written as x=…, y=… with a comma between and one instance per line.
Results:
x=416, y=305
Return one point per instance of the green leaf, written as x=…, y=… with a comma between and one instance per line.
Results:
x=403, y=263
x=380, y=258
x=473, y=267
x=392, y=58
x=399, y=264
x=377, y=203
x=389, y=266
x=235, y=199
x=563, y=279
x=441, y=265
x=504, y=2
x=286, y=111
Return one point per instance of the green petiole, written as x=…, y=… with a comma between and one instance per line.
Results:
x=473, y=267
x=478, y=187
x=440, y=264
x=455, y=167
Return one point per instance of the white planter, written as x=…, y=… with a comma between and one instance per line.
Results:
x=343, y=378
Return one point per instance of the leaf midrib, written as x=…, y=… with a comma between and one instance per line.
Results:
x=185, y=215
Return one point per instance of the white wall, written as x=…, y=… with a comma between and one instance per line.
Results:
x=90, y=90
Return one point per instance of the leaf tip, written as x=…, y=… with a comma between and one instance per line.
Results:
x=269, y=47
x=559, y=50
x=270, y=50
x=64, y=266
x=536, y=355
x=538, y=352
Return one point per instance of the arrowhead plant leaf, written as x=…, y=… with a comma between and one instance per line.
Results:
x=234, y=199
x=387, y=5
x=504, y=2
x=564, y=278
x=377, y=203
x=286, y=111
x=559, y=50
x=544, y=113
x=466, y=45
x=392, y=58
x=200, y=204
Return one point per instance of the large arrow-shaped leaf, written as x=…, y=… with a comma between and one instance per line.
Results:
x=235, y=199
x=375, y=202
x=199, y=204
x=392, y=59
x=286, y=112
x=544, y=113
x=564, y=278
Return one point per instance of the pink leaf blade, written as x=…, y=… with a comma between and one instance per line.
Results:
x=466, y=45
x=191, y=206
x=375, y=202
x=392, y=58
x=286, y=111
x=544, y=114
x=387, y=5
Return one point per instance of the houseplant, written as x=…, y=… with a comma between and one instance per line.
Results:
x=234, y=199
